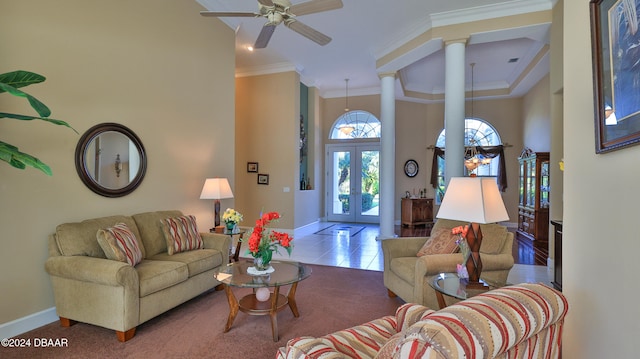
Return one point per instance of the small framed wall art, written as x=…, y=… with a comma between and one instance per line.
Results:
x=263, y=178
x=252, y=166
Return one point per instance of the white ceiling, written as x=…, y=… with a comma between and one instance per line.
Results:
x=364, y=31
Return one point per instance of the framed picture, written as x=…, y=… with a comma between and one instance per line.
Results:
x=615, y=34
x=263, y=178
x=252, y=166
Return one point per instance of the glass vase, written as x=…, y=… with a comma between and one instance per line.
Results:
x=262, y=260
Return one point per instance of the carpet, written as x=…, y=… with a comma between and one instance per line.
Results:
x=337, y=229
x=330, y=299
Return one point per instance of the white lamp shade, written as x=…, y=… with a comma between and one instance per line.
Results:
x=216, y=188
x=473, y=199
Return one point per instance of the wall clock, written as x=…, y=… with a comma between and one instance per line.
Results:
x=411, y=168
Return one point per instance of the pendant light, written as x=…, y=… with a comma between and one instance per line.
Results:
x=473, y=159
x=346, y=97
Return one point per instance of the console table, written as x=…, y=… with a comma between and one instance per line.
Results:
x=416, y=211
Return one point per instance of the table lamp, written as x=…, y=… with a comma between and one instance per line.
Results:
x=216, y=188
x=478, y=201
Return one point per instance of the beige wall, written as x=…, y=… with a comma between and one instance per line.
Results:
x=600, y=242
x=268, y=132
x=536, y=114
x=557, y=183
x=160, y=69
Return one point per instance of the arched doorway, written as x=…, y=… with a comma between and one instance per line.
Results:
x=353, y=164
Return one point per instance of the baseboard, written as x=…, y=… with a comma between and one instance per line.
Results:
x=30, y=322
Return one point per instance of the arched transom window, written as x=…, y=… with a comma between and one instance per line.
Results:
x=355, y=124
x=477, y=132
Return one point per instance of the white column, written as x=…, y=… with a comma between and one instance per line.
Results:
x=454, y=109
x=387, y=155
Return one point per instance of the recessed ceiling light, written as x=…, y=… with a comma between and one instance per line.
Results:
x=250, y=48
x=513, y=59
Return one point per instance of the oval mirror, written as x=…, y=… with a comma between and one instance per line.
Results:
x=110, y=160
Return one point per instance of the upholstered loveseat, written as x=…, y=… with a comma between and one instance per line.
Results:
x=407, y=275
x=119, y=294
x=521, y=321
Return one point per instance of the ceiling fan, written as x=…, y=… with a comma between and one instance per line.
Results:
x=279, y=11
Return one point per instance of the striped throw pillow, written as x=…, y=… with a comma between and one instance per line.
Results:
x=181, y=234
x=120, y=244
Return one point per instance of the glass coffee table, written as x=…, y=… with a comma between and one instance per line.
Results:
x=284, y=273
x=451, y=285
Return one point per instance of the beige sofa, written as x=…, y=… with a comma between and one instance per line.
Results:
x=521, y=321
x=92, y=289
x=407, y=275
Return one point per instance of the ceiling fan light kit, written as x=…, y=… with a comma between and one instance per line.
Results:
x=279, y=11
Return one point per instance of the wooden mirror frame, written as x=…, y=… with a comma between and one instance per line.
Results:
x=85, y=174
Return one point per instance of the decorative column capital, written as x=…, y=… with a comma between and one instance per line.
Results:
x=382, y=75
x=462, y=40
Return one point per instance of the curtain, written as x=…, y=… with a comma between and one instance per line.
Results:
x=487, y=151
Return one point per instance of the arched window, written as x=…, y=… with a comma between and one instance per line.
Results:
x=355, y=124
x=477, y=132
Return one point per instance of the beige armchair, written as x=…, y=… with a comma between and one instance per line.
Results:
x=407, y=275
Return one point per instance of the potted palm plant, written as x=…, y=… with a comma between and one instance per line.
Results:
x=10, y=82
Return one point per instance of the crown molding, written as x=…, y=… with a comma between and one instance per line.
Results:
x=266, y=70
x=515, y=7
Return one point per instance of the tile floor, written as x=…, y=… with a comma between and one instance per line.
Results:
x=356, y=246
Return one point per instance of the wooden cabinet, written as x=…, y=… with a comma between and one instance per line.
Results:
x=533, y=206
x=416, y=211
x=557, y=257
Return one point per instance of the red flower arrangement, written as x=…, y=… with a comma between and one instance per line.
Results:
x=263, y=242
x=461, y=230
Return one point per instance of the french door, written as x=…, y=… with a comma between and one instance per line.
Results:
x=353, y=177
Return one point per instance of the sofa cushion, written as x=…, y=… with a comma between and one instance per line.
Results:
x=181, y=234
x=489, y=324
x=442, y=241
x=120, y=244
x=410, y=313
x=79, y=238
x=493, y=238
x=158, y=275
x=150, y=228
x=447, y=223
x=390, y=347
x=308, y=348
x=197, y=261
x=363, y=341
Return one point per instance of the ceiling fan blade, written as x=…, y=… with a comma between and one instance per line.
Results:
x=264, y=37
x=228, y=14
x=266, y=2
x=314, y=6
x=308, y=32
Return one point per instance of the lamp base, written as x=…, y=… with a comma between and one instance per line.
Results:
x=476, y=286
x=216, y=216
x=474, y=263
